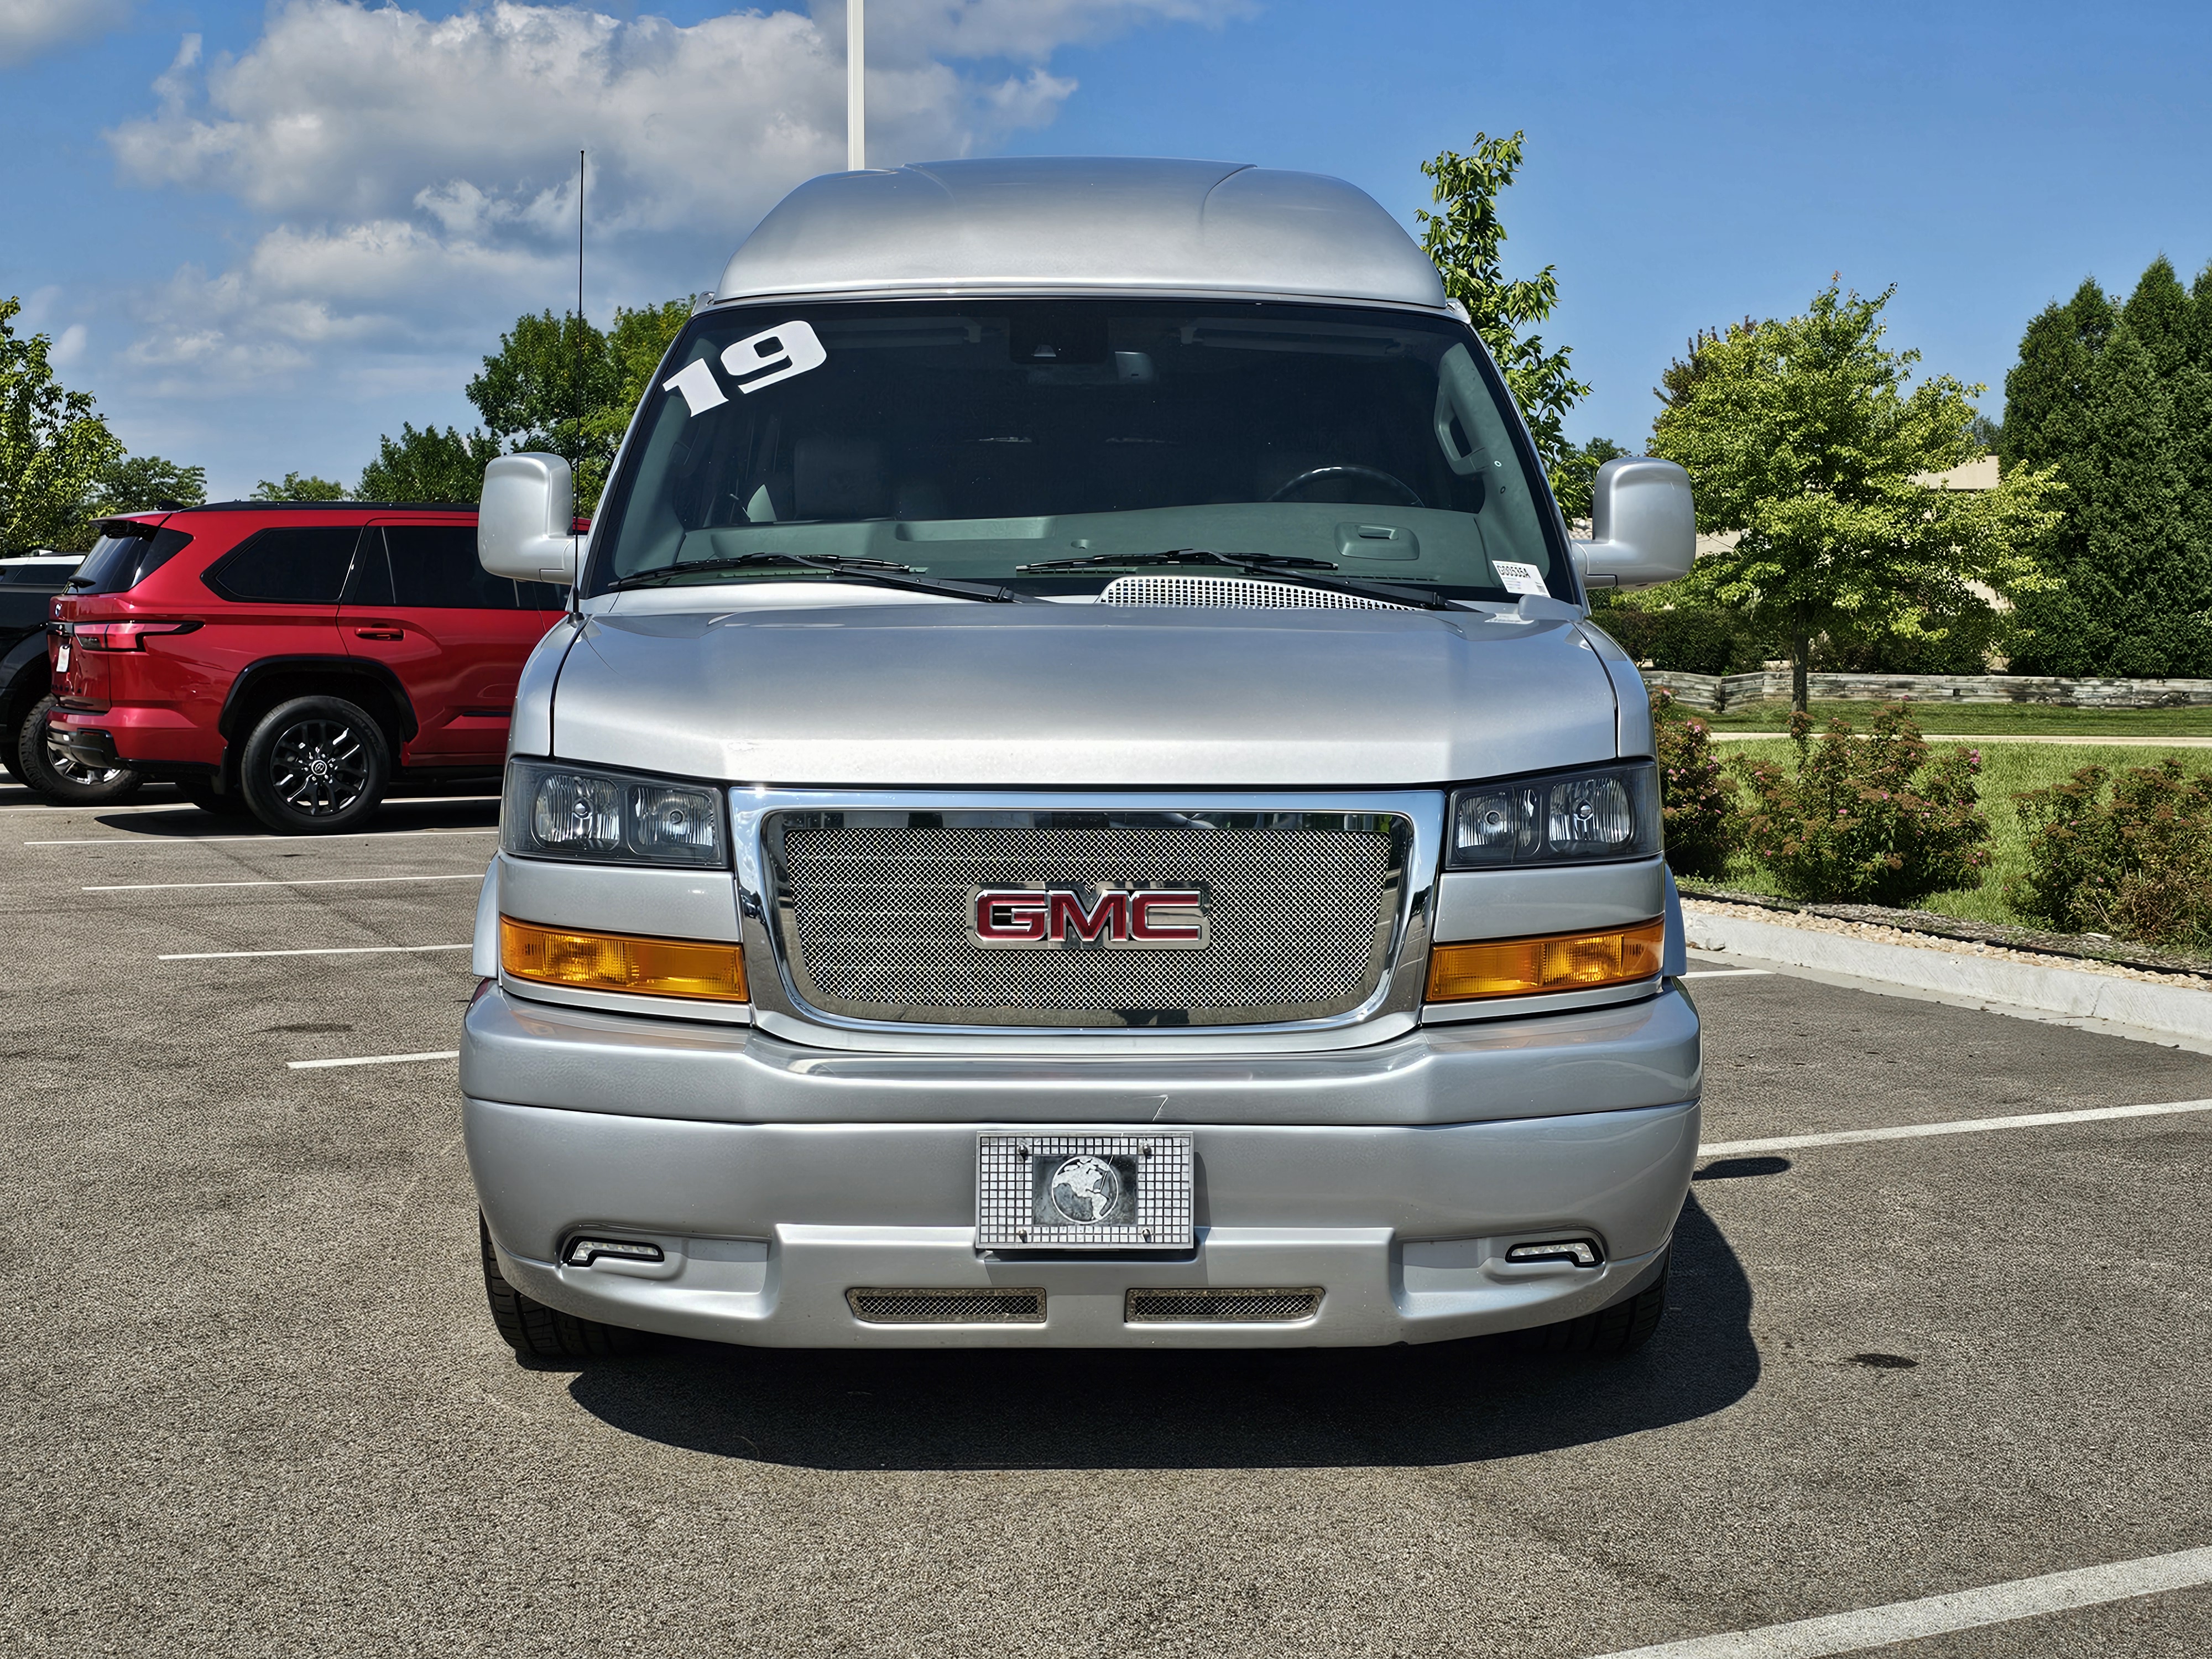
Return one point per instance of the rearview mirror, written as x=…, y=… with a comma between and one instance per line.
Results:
x=525, y=521
x=1644, y=525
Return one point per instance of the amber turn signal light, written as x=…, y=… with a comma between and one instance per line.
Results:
x=699, y=968
x=1558, y=961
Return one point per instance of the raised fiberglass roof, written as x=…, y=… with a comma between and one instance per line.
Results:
x=1077, y=224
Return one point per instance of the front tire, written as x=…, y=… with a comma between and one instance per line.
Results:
x=314, y=765
x=535, y=1331
x=1610, y=1333
x=51, y=771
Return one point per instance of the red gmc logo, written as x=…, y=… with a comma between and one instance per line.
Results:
x=1105, y=918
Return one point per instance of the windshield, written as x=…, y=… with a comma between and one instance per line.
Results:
x=982, y=440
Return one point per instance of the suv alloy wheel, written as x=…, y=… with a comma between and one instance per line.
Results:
x=314, y=765
x=59, y=775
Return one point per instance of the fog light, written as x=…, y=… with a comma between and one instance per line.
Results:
x=582, y=1252
x=1577, y=1252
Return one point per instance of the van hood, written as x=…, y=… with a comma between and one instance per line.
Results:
x=1073, y=696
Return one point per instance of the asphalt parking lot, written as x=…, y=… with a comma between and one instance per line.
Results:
x=254, y=1404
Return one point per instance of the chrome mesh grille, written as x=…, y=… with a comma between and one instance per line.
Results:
x=877, y=922
x=1237, y=1307
x=1228, y=590
x=924, y=1307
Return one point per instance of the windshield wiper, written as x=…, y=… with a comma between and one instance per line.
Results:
x=1290, y=567
x=882, y=572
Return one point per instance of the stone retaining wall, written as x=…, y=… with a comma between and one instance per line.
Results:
x=1712, y=693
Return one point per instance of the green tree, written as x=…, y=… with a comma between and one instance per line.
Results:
x=53, y=448
x=429, y=465
x=559, y=384
x=299, y=487
x=1805, y=438
x=140, y=483
x=1463, y=238
x=1574, y=481
x=2117, y=400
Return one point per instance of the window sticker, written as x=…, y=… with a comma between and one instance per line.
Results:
x=774, y=354
x=1519, y=578
x=759, y=360
x=701, y=392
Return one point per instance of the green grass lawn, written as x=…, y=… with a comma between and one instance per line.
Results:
x=1976, y=718
x=2006, y=768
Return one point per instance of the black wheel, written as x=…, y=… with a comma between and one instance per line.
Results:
x=201, y=792
x=314, y=765
x=1610, y=1332
x=535, y=1331
x=56, y=774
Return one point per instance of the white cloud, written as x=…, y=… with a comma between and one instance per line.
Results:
x=420, y=171
x=69, y=347
x=28, y=27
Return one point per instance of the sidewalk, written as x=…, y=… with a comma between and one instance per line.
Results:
x=2171, y=1008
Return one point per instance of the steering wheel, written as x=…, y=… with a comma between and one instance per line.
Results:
x=1350, y=468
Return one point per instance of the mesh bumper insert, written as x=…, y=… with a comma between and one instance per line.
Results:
x=1227, y=1307
x=927, y=1306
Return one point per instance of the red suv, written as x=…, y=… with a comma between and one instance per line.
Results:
x=292, y=660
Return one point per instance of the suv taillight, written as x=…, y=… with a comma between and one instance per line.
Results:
x=125, y=635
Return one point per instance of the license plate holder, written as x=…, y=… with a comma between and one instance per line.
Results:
x=1084, y=1190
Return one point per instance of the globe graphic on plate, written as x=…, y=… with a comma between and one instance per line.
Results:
x=1085, y=1188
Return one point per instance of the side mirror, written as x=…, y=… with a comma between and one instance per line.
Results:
x=1644, y=525
x=525, y=521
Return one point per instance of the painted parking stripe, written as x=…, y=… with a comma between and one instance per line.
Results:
x=1724, y=973
x=1962, y=1127
x=308, y=881
x=371, y=1060
x=1936, y=1615
x=329, y=951
x=209, y=840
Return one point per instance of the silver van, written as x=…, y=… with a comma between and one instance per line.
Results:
x=1079, y=806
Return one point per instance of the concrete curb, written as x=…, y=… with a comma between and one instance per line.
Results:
x=2176, y=1010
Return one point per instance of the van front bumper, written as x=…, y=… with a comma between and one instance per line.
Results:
x=775, y=1179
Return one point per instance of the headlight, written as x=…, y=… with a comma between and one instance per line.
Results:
x=556, y=811
x=1598, y=813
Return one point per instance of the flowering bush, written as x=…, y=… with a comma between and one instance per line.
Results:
x=2138, y=865
x=1869, y=820
x=1698, y=798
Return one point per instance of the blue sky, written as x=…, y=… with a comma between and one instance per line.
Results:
x=263, y=235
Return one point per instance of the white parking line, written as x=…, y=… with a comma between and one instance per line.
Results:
x=332, y=950
x=1723, y=973
x=306, y=881
x=370, y=1060
x=1935, y=1615
x=204, y=841
x=1962, y=1127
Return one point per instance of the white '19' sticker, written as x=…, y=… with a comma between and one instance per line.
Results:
x=701, y=392
x=763, y=359
x=1519, y=578
x=773, y=355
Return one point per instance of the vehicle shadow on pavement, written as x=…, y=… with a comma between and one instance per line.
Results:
x=1451, y=1403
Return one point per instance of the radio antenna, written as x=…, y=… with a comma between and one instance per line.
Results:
x=576, y=466
x=581, y=366
x=856, y=88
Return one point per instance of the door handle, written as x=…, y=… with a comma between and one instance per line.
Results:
x=379, y=633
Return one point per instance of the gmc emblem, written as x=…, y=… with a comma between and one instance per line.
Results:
x=1103, y=918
